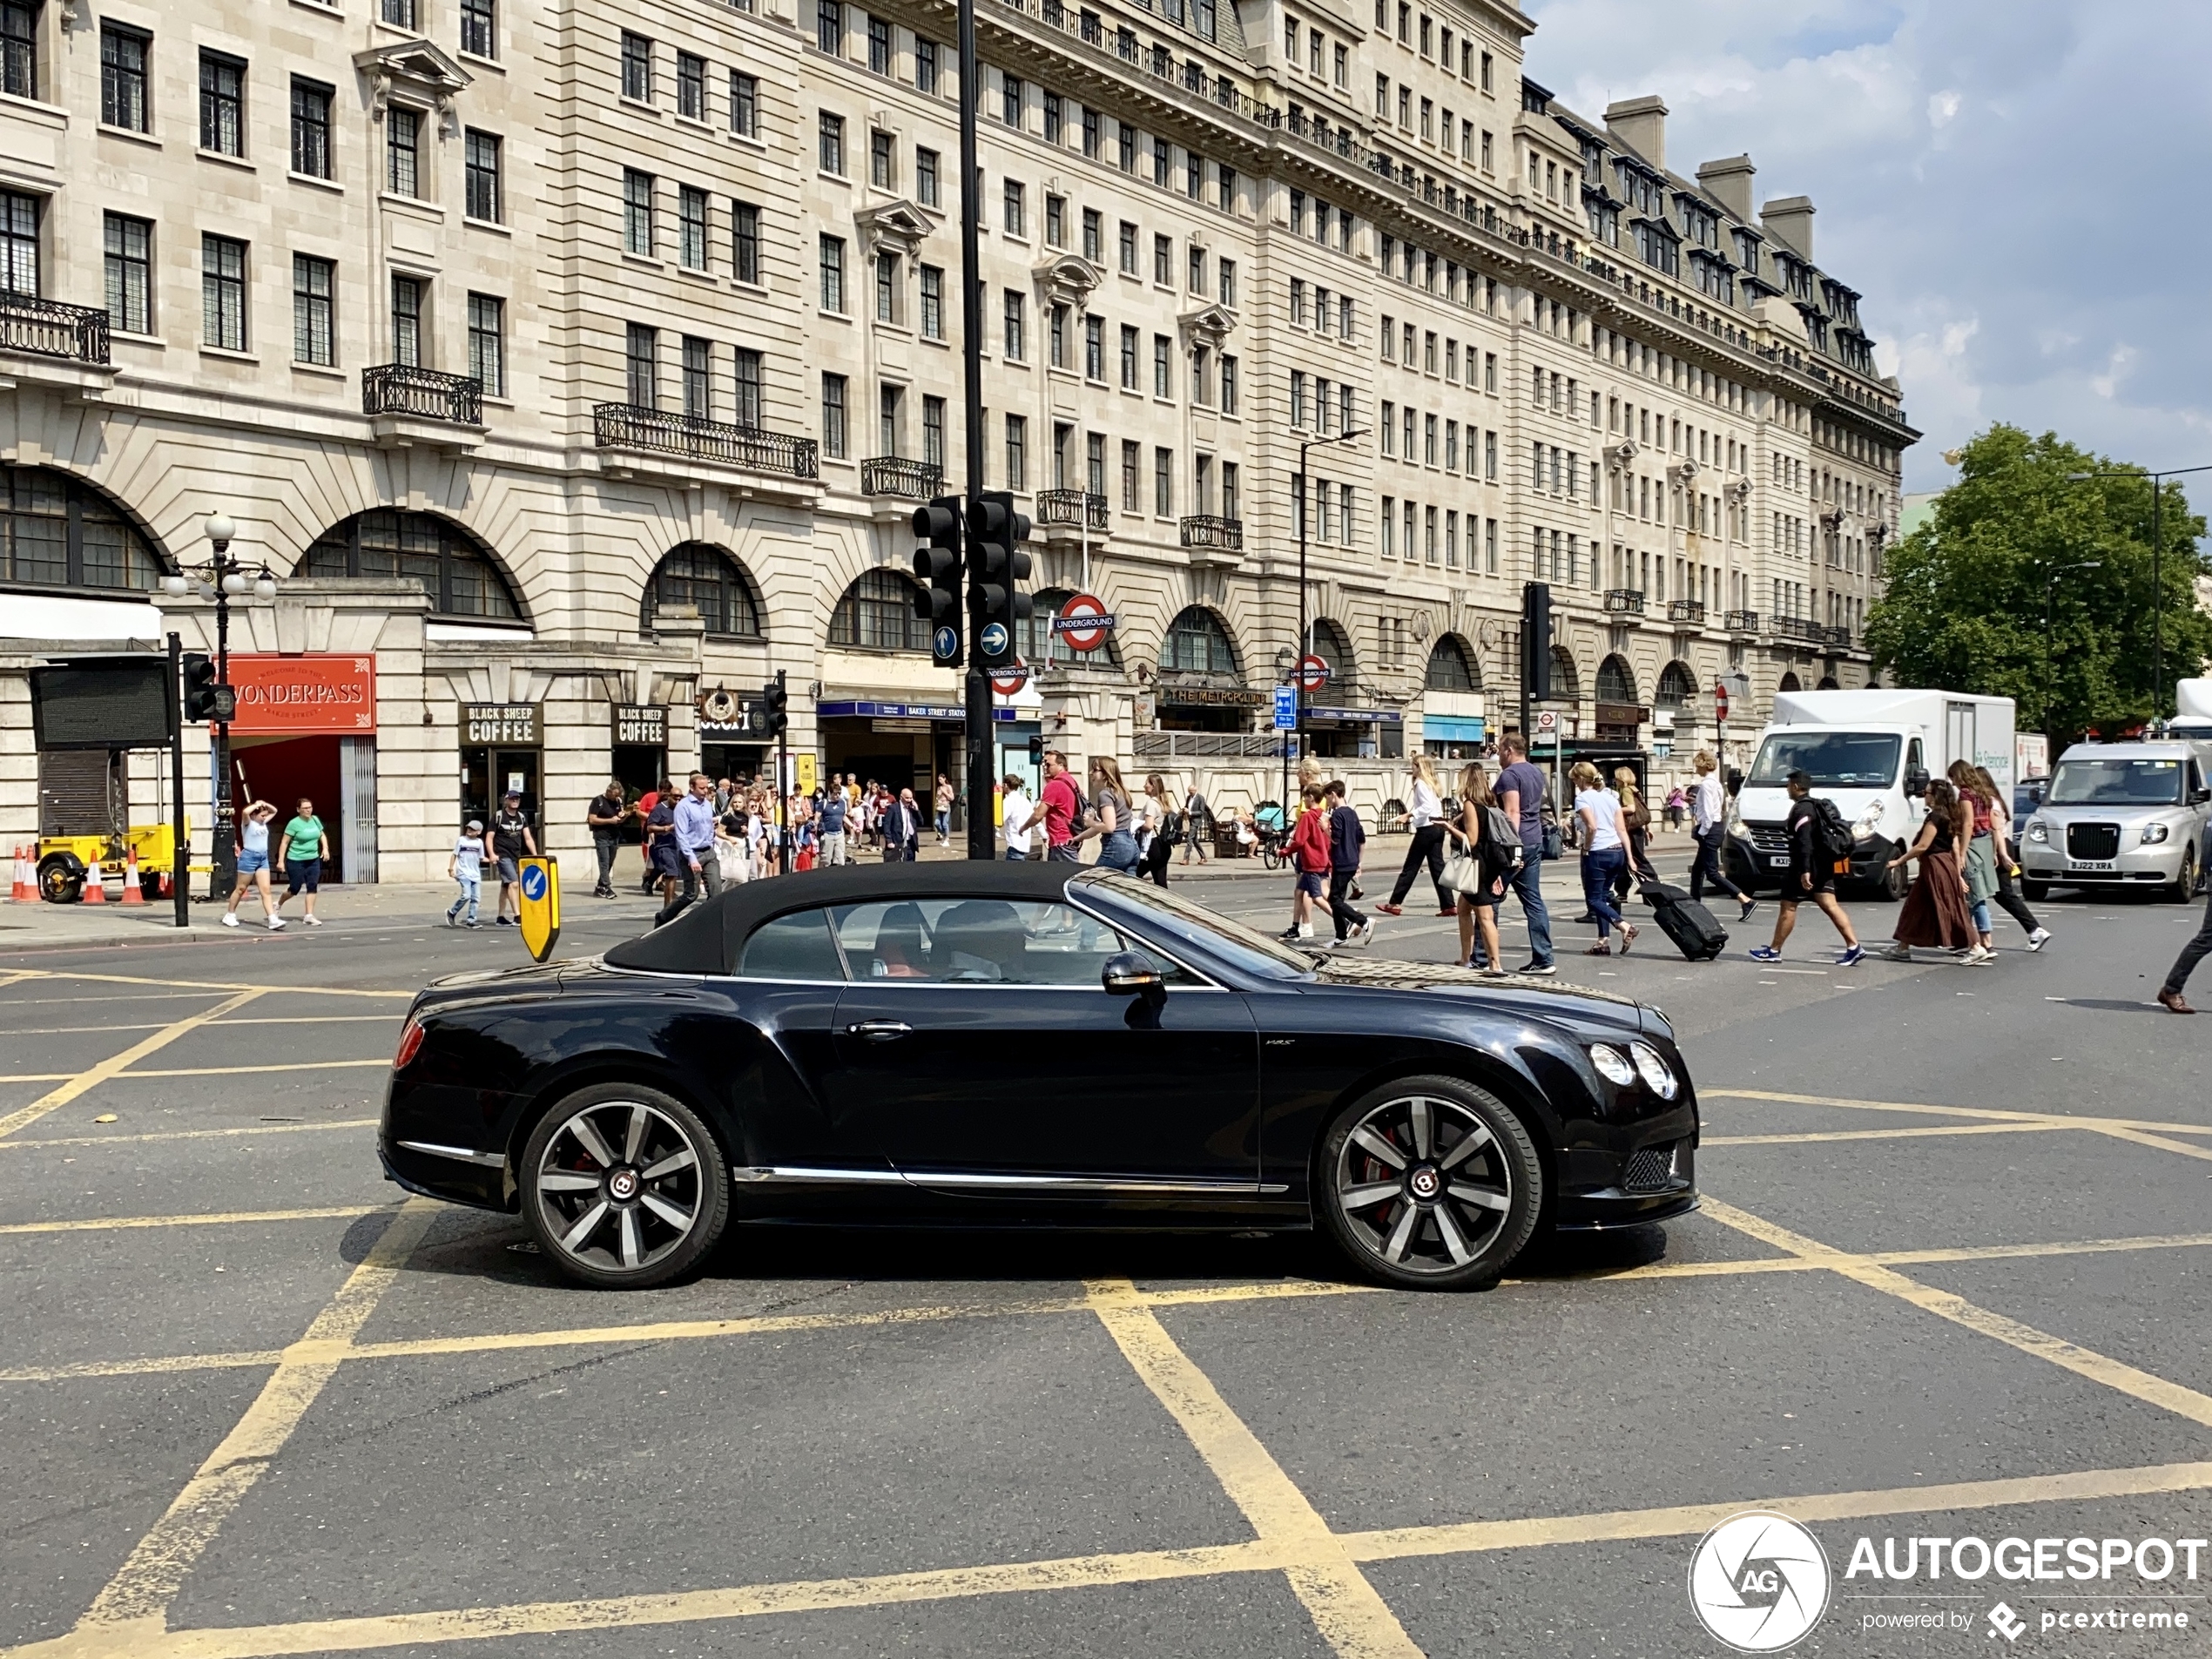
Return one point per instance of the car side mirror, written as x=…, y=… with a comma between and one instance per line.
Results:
x=1127, y=973
x=1916, y=782
x=2198, y=797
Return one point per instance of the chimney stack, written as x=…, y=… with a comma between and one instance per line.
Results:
x=1640, y=122
x=1729, y=182
x=1790, y=218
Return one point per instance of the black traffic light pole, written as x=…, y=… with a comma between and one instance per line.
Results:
x=181, y=847
x=976, y=686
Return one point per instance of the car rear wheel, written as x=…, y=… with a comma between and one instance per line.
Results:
x=1430, y=1182
x=624, y=1187
x=2184, y=887
x=2034, y=891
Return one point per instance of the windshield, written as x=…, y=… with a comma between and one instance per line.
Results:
x=2114, y=781
x=1175, y=920
x=1835, y=759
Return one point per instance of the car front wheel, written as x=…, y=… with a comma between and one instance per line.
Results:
x=1430, y=1182
x=624, y=1187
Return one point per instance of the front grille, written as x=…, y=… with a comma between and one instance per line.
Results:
x=1769, y=837
x=2092, y=840
x=1652, y=1169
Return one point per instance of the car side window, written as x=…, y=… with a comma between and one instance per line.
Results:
x=797, y=947
x=991, y=942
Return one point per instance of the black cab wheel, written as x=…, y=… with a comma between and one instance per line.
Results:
x=624, y=1187
x=2184, y=887
x=1429, y=1183
x=2034, y=891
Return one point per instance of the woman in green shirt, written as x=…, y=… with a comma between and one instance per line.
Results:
x=305, y=848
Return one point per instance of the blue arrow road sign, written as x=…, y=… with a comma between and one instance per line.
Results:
x=993, y=638
x=534, y=883
x=1286, y=708
x=946, y=643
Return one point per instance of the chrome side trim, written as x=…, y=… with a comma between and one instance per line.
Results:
x=817, y=1177
x=459, y=1154
x=979, y=1181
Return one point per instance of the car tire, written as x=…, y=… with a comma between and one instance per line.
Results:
x=60, y=880
x=1447, y=1216
x=2034, y=891
x=1897, y=883
x=2184, y=887
x=624, y=1187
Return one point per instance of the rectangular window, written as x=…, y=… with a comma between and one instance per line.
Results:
x=932, y=432
x=1128, y=358
x=926, y=177
x=1162, y=367
x=879, y=44
x=746, y=382
x=1017, y=209
x=636, y=67
x=401, y=14
x=20, y=47
x=487, y=343
x=1298, y=302
x=311, y=129
x=925, y=65
x=1386, y=525
x=1010, y=99
x=403, y=151
x=222, y=105
x=1015, y=349
x=1297, y=397
x=691, y=87
x=1094, y=235
x=1194, y=175
x=315, y=335
x=1490, y=458
x=1229, y=283
x=130, y=275
x=933, y=302
x=745, y=241
x=481, y=176
x=1388, y=428
x=887, y=288
x=832, y=256
x=829, y=130
x=1132, y=463
x=690, y=227
x=829, y=28
x=222, y=293
x=745, y=104
x=637, y=213
x=835, y=439
x=1017, y=452
x=1228, y=388
x=698, y=378
x=1125, y=146
x=1162, y=253
x=407, y=297
x=123, y=102
x=1095, y=348
x=1198, y=269
x=19, y=242
x=1055, y=221
x=881, y=168
x=479, y=28
x=1201, y=375
x=1163, y=483
x=1056, y=118
x=1126, y=248
x=1226, y=179
x=1232, y=503
x=1163, y=159
x=1092, y=124
x=1094, y=465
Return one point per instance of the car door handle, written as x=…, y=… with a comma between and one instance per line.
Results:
x=880, y=1030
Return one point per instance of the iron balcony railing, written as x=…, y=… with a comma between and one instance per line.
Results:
x=1624, y=601
x=1839, y=635
x=1072, y=507
x=900, y=475
x=1686, y=610
x=1740, y=622
x=1800, y=628
x=48, y=328
x=626, y=426
x=401, y=388
x=1204, y=530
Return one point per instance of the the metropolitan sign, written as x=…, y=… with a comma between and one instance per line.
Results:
x=646, y=724
x=516, y=724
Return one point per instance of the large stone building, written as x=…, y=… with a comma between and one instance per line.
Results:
x=572, y=364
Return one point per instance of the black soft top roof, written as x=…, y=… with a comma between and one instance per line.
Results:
x=709, y=937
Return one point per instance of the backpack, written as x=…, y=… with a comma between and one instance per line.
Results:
x=1830, y=835
x=1502, y=840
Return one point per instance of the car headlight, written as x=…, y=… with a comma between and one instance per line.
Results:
x=1656, y=1077
x=2153, y=833
x=2038, y=831
x=1870, y=823
x=1612, y=1065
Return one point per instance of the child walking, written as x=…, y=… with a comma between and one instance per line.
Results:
x=467, y=867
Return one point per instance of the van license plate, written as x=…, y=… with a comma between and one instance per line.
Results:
x=2089, y=864
x=1778, y=863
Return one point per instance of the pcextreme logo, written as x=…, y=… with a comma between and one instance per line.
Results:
x=1758, y=1582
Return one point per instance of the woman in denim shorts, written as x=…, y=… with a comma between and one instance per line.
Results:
x=253, y=864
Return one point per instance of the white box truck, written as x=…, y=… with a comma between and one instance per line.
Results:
x=1872, y=754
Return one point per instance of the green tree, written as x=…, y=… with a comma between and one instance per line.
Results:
x=1966, y=605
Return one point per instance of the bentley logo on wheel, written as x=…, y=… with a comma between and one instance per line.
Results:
x=1425, y=1183
x=1758, y=1582
x=623, y=1185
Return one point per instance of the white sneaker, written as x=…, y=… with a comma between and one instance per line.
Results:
x=2039, y=937
x=1979, y=956
x=275, y=922
x=230, y=919
x=1363, y=933
x=314, y=921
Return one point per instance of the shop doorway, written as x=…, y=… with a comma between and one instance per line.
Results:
x=642, y=768
x=488, y=774
x=279, y=771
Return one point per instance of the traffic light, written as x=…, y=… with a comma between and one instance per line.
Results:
x=1536, y=640
x=995, y=563
x=200, y=687
x=775, y=707
x=937, y=569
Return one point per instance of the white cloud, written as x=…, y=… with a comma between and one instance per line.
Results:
x=2001, y=178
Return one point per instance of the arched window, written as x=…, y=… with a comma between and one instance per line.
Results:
x=696, y=573
x=1615, y=682
x=1828, y=683
x=1676, y=686
x=1789, y=683
x=876, y=613
x=1451, y=666
x=1197, y=643
x=56, y=532
x=1333, y=647
x=459, y=574
x=1567, y=680
x=1034, y=638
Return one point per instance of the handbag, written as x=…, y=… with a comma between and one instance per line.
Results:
x=1462, y=873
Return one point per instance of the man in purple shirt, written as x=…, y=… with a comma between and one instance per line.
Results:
x=1520, y=791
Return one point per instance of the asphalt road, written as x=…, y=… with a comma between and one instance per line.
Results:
x=1949, y=1281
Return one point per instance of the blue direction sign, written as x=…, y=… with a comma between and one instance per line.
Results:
x=993, y=639
x=944, y=645
x=1286, y=708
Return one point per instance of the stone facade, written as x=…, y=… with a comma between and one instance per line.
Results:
x=588, y=283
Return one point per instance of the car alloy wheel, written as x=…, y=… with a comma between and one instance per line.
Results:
x=2184, y=887
x=1432, y=1183
x=624, y=1187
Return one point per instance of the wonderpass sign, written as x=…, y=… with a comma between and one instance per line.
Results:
x=1760, y=1582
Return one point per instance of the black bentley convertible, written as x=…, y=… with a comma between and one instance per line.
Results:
x=1029, y=1045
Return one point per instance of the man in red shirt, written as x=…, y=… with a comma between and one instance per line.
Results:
x=1062, y=805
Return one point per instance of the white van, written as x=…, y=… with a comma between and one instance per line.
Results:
x=1872, y=754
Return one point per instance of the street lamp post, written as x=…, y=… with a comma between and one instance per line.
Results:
x=222, y=578
x=1305, y=624
x=2157, y=553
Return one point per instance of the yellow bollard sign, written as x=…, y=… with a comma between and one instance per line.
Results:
x=541, y=905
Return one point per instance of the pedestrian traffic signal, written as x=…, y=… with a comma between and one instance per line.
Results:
x=200, y=688
x=995, y=563
x=937, y=567
x=1536, y=640
x=775, y=705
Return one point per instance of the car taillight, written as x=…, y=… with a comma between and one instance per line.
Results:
x=411, y=1040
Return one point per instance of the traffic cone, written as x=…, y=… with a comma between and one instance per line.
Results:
x=131, y=893
x=25, y=887
x=94, y=892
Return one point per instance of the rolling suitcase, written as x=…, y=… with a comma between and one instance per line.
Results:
x=1696, y=932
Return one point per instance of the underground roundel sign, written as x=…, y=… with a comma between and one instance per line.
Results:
x=1312, y=673
x=1011, y=678
x=1084, y=622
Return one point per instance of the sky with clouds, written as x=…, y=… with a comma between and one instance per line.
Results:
x=2002, y=180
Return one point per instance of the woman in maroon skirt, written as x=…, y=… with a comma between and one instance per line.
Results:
x=1934, y=914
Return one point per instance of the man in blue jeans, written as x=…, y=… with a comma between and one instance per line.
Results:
x=1520, y=792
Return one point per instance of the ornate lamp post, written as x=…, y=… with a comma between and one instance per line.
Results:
x=222, y=578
